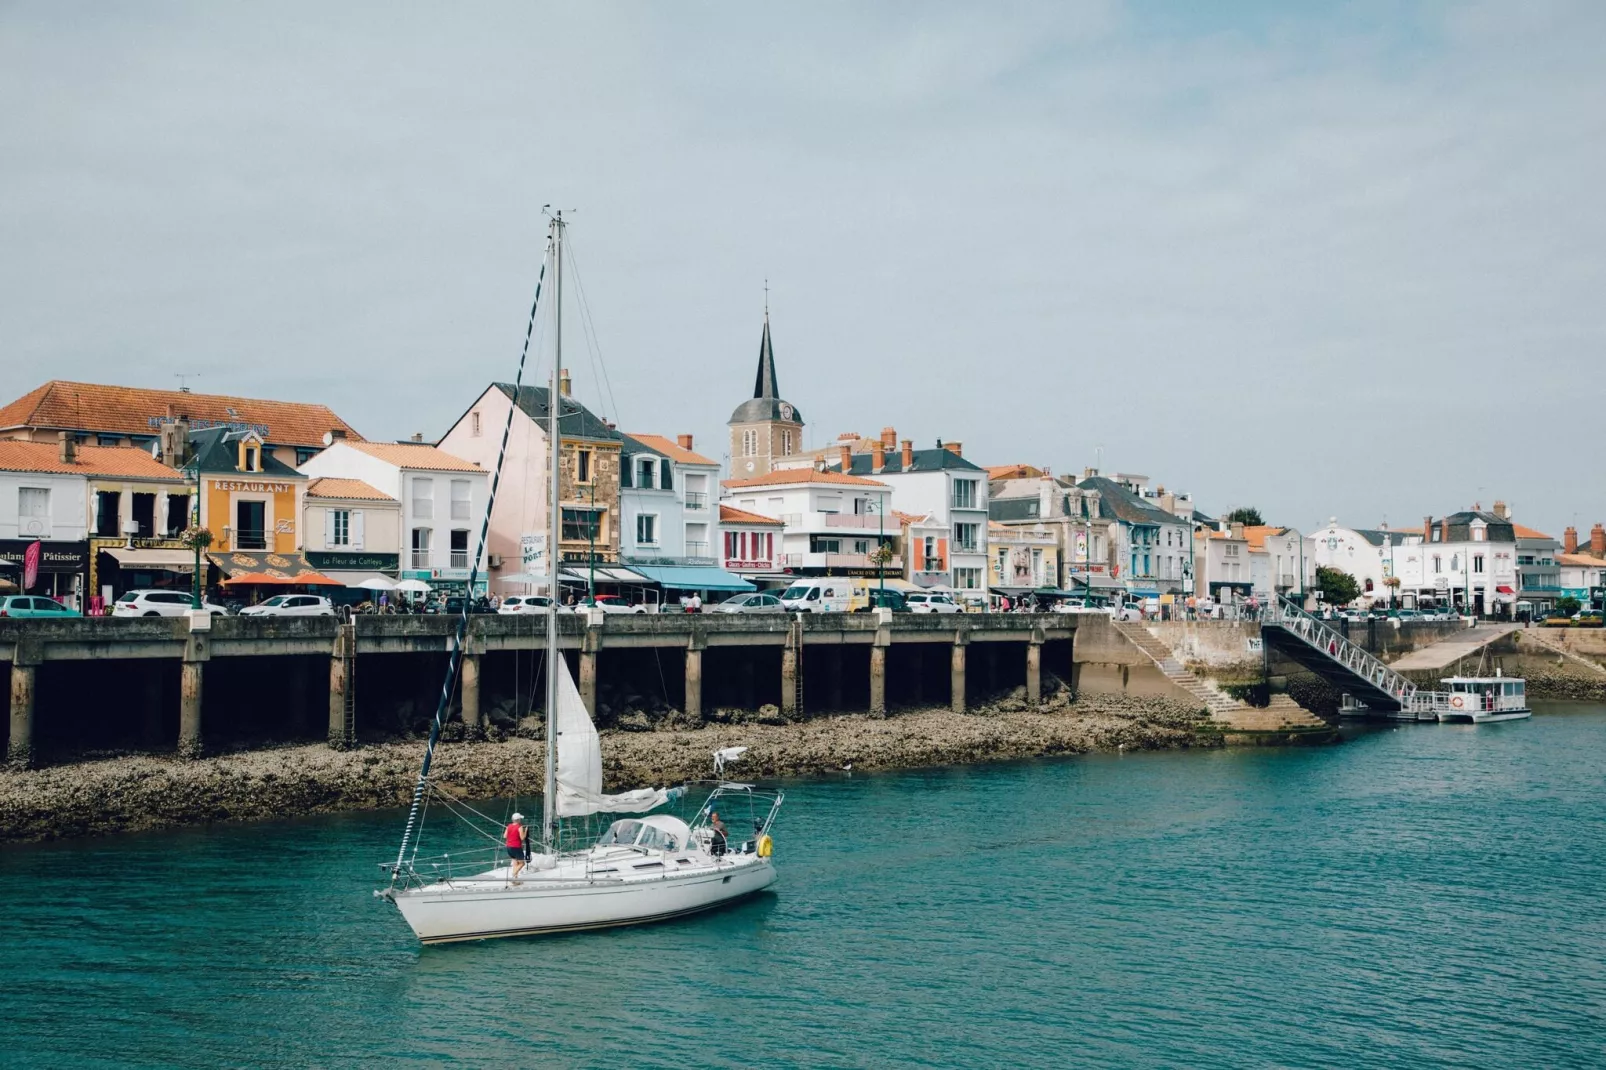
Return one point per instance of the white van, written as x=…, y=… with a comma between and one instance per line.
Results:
x=821, y=594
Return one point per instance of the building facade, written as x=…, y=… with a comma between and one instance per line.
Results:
x=832, y=524
x=353, y=530
x=750, y=546
x=667, y=501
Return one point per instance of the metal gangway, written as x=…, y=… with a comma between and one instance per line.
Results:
x=1329, y=654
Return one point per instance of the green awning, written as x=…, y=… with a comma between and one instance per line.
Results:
x=693, y=578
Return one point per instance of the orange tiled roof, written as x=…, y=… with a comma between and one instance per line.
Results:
x=330, y=487
x=1257, y=533
x=1586, y=560
x=729, y=514
x=1527, y=533
x=1013, y=471
x=128, y=461
x=908, y=518
x=128, y=410
x=415, y=455
x=671, y=449
x=786, y=476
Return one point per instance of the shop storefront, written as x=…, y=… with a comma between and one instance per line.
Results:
x=117, y=566
x=351, y=569
x=63, y=568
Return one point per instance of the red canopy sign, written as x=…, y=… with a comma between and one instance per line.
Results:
x=30, y=564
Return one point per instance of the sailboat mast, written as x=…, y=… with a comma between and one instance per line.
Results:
x=549, y=791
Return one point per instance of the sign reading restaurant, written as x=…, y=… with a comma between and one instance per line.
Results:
x=260, y=488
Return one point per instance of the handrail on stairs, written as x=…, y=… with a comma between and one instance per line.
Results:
x=1290, y=616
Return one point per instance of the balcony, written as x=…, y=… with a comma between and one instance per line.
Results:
x=420, y=559
x=697, y=549
x=851, y=520
x=840, y=561
x=250, y=540
x=459, y=558
x=696, y=500
x=821, y=522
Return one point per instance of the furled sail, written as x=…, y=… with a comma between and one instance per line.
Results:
x=580, y=761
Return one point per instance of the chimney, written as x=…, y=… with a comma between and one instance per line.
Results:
x=1427, y=529
x=1089, y=473
x=69, y=448
x=684, y=440
x=847, y=459
x=1569, y=541
x=889, y=438
x=953, y=448
x=878, y=454
x=564, y=387
x=1444, y=530
x=1501, y=511
x=1237, y=529
x=908, y=457
x=418, y=436
x=1597, y=541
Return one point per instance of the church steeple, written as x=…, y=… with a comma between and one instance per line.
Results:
x=764, y=427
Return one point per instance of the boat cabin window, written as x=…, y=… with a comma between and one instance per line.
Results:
x=623, y=832
x=640, y=835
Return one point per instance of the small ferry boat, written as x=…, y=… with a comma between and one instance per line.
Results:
x=1477, y=699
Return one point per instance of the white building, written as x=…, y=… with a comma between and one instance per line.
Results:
x=1222, y=569
x=351, y=530
x=1280, y=562
x=442, y=502
x=1467, y=561
x=666, y=498
x=831, y=523
x=941, y=484
x=1371, y=555
x=750, y=545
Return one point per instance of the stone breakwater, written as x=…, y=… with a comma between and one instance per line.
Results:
x=139, y=792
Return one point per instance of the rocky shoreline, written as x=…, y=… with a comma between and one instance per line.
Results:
x=127, y=793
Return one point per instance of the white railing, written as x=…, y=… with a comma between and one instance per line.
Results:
x=697, y=549
x=420, y=559
x=1318, y=636
x=852, y=520
x=696, y=499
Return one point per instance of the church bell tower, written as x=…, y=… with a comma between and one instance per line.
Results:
x=764, y=429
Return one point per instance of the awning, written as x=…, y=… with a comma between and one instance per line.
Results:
x=167, y=560
x=1078, y=582
x=1143, y=592
x=694, y=578
x=622, y=575
x=357, y=579
x=243, y=567
x=1503, y=589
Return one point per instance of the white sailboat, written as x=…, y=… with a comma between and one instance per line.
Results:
x=640, y=869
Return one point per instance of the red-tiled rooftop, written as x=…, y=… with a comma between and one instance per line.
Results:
x=786, y=476
x=45, y=457
x=729, y=514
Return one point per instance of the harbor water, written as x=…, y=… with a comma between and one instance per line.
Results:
x=1418, y=896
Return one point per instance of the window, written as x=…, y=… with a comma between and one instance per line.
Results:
x=644, y=468
x=647, y=529
x=33, y=511
x=178, y=513
x=861, y=546
x=1477, y=563
x=143, y=513
x=786, y=443
x=251, y=457
x=967, y=579
x=1455, y=562
x=108, y=505
x=305, y=454
x=250, y=526
x=1478, y=534
x=964, y=494
x=421, y=557
x=965, y=537
x=749, y=443
x=933, y=562
x=339, y=527
x=582, y=466
x=460, y=499
x=459, y=548
x=474, y=424
x=423, y=499
x=582, y=525
x=1438, y=563
x=825, y=546
x=108, y=440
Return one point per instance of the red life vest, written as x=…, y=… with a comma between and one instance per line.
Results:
x=515, y=835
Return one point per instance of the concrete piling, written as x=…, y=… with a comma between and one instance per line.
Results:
x=694, y=678
x=189, y=709
x=1034, y=671
x=878, y=681
x=471, y=690
x=19, y=749
x=956, y=674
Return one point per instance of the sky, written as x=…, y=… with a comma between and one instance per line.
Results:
x=1323, y=259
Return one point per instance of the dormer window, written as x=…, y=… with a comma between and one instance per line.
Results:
x=252, y=455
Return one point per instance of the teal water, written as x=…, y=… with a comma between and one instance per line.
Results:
x=1427, y=896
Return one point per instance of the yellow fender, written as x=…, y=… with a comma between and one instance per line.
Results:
x=766, y=847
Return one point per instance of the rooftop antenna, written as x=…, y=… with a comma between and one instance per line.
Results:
x=766, y=300
x=183, y=377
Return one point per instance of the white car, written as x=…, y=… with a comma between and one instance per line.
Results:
x=158, y=604
x=520, y=604
x=930, y=602
x=609, y=603
x=291, y=605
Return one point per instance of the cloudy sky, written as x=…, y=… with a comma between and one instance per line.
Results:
x=1325, y=259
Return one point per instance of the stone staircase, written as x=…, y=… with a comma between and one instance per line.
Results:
x=1538, y=637
x=1282, y=714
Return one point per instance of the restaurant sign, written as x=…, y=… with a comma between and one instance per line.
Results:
x=245, y=485
x=53, y=556
x=353, y=562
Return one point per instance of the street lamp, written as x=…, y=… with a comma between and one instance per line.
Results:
x=193, y=470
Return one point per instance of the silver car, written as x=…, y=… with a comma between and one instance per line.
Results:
x=931, y=602
x=755, y=602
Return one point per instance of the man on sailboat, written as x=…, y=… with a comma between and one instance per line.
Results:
x=518, y=843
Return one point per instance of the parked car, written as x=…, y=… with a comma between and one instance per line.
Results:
x=931, y=602
x=884, y=598
x=827, y=594
x=26, y=605
x=291, y=605
x=159, y=604
x=754, y=602
x=608, y=603
x=520, y=604
x=1408, y=615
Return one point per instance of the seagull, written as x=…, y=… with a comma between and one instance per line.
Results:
x=848, y=768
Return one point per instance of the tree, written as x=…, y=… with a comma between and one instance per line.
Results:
x=1337, y=586
x=1247, y=515
x=1568, y=606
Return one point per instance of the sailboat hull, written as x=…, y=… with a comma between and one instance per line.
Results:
x=484, y=909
